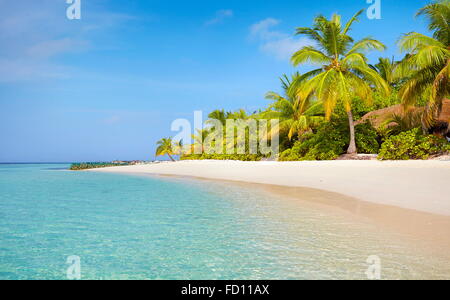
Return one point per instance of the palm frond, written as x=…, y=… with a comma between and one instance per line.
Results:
x=365, y=45
x=354, y=19
x=438, y=15
x=309, y=55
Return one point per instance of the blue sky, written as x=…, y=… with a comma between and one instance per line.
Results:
x=108, y=86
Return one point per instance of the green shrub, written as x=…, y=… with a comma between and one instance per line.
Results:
x=412, y=145
x=360, y=108
x=331, y=140
x=87, y=166
x=240, y=157
x=367, y=139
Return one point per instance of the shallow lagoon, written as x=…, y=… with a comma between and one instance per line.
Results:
x=130, y=227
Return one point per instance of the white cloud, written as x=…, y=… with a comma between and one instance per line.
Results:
x=262, y=29
x=273, y=42
x=284, y=48
x=13, y=70
x=221, y=15
x=32, y=35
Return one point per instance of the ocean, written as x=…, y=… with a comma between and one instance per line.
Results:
x=136, y=227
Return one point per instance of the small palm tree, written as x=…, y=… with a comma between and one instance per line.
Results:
x=214, y=133
x=219, y=115
x=222, y=116
x=344, y=72
x=427, y=66
x=238, y=115
x=165, y=147
x=405, y=121
x=386, y=68
x=297, y=115
x=199, y=140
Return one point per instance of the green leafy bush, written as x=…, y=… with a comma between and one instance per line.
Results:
x=360, y=108
x=319, y=146
x=380, y=101
x=331, y=140
x=412, y=145
x=367, y=139
x=240, y=157
x=87, y=166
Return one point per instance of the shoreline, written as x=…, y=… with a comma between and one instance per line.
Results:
x=427, y=221
x=425, y=226
x=413, y=185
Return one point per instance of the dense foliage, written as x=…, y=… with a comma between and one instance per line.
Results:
x=330, y=141
x=360, y=108
x=413, y=145
x=318, y=110
x=241, y=157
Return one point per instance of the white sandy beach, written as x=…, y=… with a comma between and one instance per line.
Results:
x=417, y=185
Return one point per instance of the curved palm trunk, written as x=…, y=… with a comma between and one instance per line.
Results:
x=352, y=148
x=170, y=156
x=423, y=121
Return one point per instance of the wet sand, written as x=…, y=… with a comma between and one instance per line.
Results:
x=416, y=185
x=420, y=216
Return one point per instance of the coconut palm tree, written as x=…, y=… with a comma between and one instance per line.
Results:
x=219, y=115
x=199, y=140
x=344, y=72
x=297, y=115
x=179, y=148
x=386, y=68
x=222, y=116
x=427, y=66
x=165, y=147
x=240, y=114
x=405, y=121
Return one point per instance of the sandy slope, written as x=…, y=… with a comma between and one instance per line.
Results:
x=418, y=185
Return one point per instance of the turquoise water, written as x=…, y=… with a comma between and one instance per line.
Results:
x=130, y=227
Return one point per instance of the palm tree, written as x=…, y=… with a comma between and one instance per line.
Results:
x=222, y=116
x=165, y=147
x=386, y=68
x=213, y=132
x=427, y=66
x=219, y=115
x=238, y=115
x=179, y=148
x=344, y=72
x=297, y=115
x=405, y=121
x=199, y=140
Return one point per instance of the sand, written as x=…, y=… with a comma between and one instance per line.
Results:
x=415, y=185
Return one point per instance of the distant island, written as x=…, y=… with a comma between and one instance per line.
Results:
x=96, y=165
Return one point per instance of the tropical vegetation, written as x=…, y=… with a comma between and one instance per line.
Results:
x=412, y=145
x=167, y=147
x=95, y=165
x=427, y=64
x=323, y=113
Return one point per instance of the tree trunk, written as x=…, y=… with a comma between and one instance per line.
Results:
x=352, y=147
x=170, y=156
x=424, y=121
